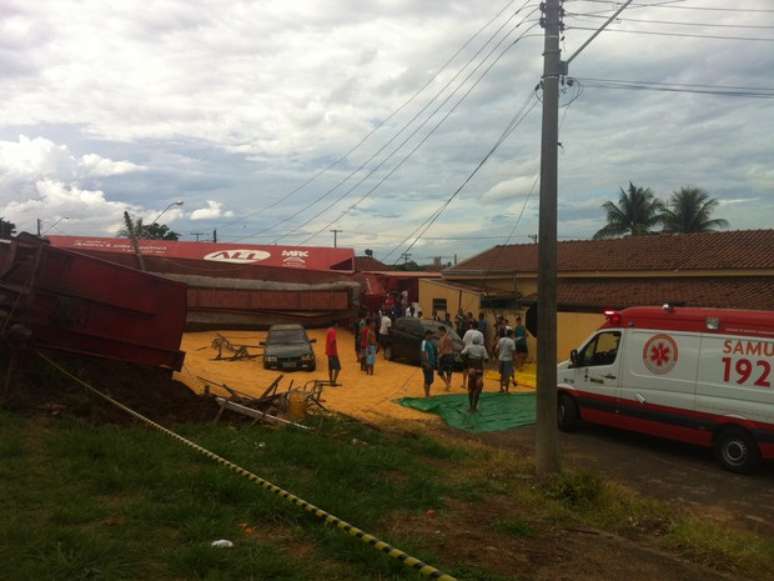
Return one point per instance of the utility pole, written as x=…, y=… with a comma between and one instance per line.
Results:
x=215, y=236
x=554, y=68
x=40, y=226
x=198, y=235
x=405, y=256
x=546, y=437
x=336, y=237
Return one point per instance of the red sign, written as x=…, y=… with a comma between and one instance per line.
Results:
x=660, y=354
x=303, y=257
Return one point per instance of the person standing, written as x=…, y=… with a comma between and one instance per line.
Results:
x=522, y=350
x=483, y=326
x=476, y=355
x=505, y=350
x=446, y=357
x=384, y=330
x=371, y=348
x=459, y=320
x=363, y=344
x=467, y=339
x=429, y=360
x=332, y=351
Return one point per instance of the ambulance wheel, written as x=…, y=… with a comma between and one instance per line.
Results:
x=567, y=415
x=737, y=451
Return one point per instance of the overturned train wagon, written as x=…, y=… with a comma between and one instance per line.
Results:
x=57, y=299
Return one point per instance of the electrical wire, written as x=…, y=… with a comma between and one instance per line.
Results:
x=389, y=117
x=418, y=145
x=719, y=90
x=515, y=121
x=672, y=22
x=401, y=130
x=700, y=8
x=676, y=34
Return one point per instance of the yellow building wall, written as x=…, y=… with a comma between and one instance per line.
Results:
x=572, y=329
x=469, y=300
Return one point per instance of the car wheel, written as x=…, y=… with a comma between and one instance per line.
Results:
x=388, y=352
x=737, y=451
x=567, y=415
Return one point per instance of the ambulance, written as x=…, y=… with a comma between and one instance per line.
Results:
x=701, y=376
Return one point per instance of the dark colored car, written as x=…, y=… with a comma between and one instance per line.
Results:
x=405, y=340
x=288, y=347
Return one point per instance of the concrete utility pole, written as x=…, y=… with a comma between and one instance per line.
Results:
x=336, y=237
x=198, y=235
x=546, y=437
x=40, y=226
x=215, y=236
x=546, y=440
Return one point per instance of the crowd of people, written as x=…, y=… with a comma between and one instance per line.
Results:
x=437, y=353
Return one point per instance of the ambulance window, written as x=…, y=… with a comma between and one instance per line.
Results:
x=601, y=350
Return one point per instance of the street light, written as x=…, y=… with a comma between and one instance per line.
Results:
x=55, y=224
x=175, y=203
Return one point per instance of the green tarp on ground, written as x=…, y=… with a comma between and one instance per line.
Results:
x=496, y=411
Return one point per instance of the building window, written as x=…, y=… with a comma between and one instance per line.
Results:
x=439, y=305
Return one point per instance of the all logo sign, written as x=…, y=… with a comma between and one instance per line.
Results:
x=660, y=354
x=238, y=256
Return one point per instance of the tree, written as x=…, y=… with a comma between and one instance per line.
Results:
x=638, y=211
x=146, y=232
x=690, y=210
x=7, y=228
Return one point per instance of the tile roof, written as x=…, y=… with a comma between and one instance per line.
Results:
x=734, y=250
x=719, y=292
x=369, y=263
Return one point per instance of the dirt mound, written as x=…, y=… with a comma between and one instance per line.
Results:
x=35, y=387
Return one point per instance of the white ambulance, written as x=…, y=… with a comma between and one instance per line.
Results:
x=702, y=376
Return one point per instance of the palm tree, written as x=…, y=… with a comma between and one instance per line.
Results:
x=690, y=210
x=638, y=211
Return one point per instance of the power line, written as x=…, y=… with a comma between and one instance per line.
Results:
x=418, y=128
x=402, y=129
x=673, y=7
x=717, y=90
x=512, y=125
x=676, y=34
x=674, y=22
x=422, y=141
x=389, y=117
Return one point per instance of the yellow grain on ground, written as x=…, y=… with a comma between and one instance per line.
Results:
x=371, y=398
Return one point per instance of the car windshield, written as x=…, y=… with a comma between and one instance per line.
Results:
x=435, y=326
x=285, y=336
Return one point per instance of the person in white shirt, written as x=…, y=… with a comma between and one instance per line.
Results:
x=475, y=355
x=468, y=339
x=506, y=347
x=384, y=330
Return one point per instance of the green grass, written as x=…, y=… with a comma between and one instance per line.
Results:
x=86, y=501
x=80, y=501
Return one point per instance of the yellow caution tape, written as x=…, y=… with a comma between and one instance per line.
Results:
x=409, y=561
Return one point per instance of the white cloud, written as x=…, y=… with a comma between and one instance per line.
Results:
x=96, y=166
x=213, y=210
x=507, y=190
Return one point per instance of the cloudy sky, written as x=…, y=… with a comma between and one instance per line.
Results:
x=246, y=111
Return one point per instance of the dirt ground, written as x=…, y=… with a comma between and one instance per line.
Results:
x=370, y=398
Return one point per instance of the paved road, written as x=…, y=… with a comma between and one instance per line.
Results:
x=667, y=470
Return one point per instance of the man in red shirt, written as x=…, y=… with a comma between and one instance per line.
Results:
x=332, y=351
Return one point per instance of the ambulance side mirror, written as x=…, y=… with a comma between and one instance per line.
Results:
x=574, y=357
